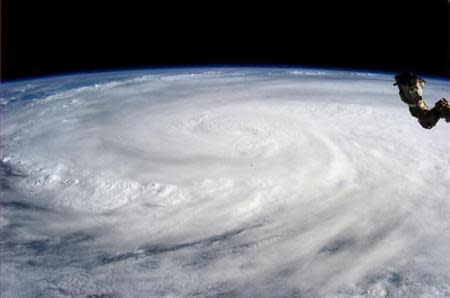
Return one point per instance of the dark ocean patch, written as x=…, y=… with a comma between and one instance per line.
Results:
x=103, y=295
x=8, y=170
x=8, y=174
x=65, y=245
x=337, y=246
x=157, y=249
x=22, y=205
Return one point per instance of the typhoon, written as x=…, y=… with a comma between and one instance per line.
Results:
x=222, y=182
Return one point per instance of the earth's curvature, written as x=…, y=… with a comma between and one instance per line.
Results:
x=221, y=182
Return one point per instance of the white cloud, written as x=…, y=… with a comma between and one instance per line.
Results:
x=228, y=182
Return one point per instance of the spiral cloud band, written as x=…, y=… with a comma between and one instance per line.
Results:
x=221, y=182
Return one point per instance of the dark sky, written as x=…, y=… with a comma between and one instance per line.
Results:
x=43, y=38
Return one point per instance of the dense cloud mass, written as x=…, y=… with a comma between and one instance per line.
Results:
x=222, y=182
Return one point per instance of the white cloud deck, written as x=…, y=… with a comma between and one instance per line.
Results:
x=238, y=182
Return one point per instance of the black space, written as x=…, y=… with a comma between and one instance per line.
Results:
x=44, y=38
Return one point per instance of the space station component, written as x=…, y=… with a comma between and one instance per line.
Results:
x=411, y=93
